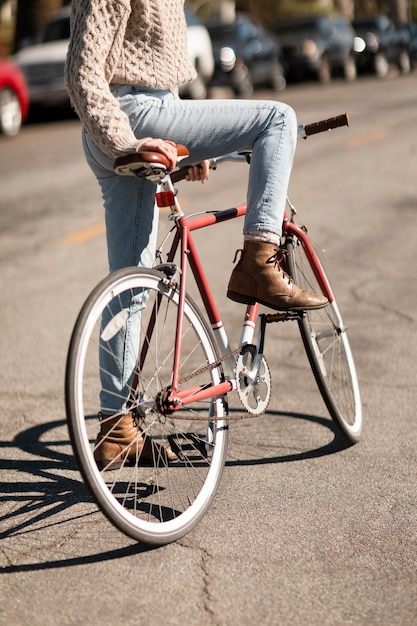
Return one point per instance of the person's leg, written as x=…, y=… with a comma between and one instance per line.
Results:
x=131, y=215
x=131, y=226
x=214, y=127
x=210, y=128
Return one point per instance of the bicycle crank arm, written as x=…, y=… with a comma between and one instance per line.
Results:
x=169, y=401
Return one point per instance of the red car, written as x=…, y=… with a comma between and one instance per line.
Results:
x=14, y=98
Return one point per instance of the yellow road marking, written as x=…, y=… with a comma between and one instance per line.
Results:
x=365, y=138
x=83, y=235
x=99, y=229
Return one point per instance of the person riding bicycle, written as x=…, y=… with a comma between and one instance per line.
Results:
x=126, y=61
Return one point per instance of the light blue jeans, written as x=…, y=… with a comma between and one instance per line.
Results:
x=208, y=128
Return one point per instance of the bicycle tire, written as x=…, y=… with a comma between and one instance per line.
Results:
x=160, y=502
x=326, y=343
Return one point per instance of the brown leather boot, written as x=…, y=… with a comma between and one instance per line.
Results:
x=258, y=277
x=120, y=442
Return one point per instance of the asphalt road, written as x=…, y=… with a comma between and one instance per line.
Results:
x=304, y=530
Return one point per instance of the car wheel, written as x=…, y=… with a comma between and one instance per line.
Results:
x=324, y=72
x=381, y=65
x=10, y=112
x=278, y=82
x=404, y=62
x=242, y=82
x=349, y=69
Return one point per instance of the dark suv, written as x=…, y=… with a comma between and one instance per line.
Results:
x=245, y=55
x=318, y=46
x=382, y=45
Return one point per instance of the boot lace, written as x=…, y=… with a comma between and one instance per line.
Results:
x=278, y=260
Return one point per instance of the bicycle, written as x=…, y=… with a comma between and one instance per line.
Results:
x=185, y=368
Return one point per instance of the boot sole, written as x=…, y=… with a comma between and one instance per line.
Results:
x=238, y=297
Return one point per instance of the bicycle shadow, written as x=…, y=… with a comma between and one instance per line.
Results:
x=55, y=491
x=337, y=444
x=46, y=494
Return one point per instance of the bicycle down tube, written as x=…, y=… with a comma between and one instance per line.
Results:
x=189, y=256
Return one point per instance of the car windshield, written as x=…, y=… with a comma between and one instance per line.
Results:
x=58, y=30
x=381, y=23
x=222, y=32
x=307, y=29
x=364, y=24
x=242, y=30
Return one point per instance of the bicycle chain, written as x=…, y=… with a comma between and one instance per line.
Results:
x=206, y=368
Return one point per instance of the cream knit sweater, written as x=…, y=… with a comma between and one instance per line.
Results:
x=127, y=42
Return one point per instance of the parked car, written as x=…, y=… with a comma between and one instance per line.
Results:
x=44, y=63
x=383, y=45
x=245, y=55
x=317, y=47
x=14, y=98
x=200, y=52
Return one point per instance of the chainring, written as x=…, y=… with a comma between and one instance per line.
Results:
x=253, y=388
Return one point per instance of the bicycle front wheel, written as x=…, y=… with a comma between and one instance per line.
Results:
x=327, y=346
x=160, y=499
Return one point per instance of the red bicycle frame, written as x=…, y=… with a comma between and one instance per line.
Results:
x=189, y=255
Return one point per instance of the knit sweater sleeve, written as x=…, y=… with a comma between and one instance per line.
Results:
x=97, y=33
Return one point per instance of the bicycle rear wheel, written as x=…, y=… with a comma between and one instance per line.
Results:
x=162, y=500
x=327, y=346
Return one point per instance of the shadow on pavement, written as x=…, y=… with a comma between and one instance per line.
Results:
x=79, y=560
x=42, y=499
x=338, y=443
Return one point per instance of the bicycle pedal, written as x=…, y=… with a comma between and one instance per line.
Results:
x=284, y=316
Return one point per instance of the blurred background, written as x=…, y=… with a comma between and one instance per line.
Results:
x=237, y=45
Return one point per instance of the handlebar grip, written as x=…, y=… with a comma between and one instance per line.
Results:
x=332, y=122
x=180, y=174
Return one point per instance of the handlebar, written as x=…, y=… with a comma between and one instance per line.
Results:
x=134, y=164
x=319, y=127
